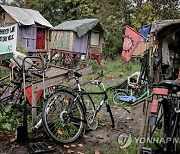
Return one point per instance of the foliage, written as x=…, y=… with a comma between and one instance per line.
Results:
x=113, y=14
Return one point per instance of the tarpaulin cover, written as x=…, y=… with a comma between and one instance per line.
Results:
x=81, y=27
x=131, y=40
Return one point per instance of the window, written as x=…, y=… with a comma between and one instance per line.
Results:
x=94, y=38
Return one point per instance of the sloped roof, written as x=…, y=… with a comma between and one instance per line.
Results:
x=81, y=27
x=160, y=24
x=26, y=16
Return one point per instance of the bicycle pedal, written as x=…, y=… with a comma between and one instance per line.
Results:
x=146, y=150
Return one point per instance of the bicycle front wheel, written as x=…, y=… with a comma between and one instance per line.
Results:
x=63, y=117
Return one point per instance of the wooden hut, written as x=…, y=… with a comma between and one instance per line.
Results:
x=74, y=38
x=165, y=50
x=33, y=28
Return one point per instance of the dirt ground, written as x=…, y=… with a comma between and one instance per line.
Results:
x=97, y=141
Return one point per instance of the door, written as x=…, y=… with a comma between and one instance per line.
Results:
x=40, y=42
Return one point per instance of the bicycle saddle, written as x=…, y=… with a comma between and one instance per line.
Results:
x=73, y=73
x=172, y=85
x=77, y=74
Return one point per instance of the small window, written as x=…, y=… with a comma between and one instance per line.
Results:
x=94, y=38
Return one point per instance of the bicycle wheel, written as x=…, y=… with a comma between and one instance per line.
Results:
x=116, y=97
x=63, y=117
x=155, y=129
x=90, y=110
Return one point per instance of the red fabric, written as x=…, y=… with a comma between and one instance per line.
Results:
x=160, y=91
x=154, y=106
x=131, y=40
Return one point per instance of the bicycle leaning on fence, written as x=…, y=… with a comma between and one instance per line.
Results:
x=65, y=113
x=161, y=123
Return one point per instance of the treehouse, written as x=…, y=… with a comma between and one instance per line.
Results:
x=77, y=39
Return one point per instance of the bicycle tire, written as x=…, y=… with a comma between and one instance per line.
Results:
x=65, y=125
x=155, y=130
x=118, y=94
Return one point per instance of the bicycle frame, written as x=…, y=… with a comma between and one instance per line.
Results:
x=82, y=93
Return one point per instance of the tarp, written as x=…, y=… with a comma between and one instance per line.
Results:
x=81, y=27
x=131, y=40
x=26, y=16
x=160, y=24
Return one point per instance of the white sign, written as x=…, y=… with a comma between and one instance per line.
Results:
x=8, y=39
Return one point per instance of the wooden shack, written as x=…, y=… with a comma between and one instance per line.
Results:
x=165, y=50
x=74, y=38
x=33, y=28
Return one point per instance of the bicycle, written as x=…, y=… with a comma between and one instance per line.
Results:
x=65, y=112
x=133, y=94
x=13, y=102
x=162, y=119
x=136, y=87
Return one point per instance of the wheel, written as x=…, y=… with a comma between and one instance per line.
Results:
x=117, y=95
x=90, y=110
x=173, y=146
x=63, y=118
x=10, y=112
x=155, y=128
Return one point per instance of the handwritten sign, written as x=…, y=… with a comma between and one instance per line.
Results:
x=8, y=39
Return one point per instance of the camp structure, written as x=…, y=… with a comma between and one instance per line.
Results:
x=165, y=50
x=32, y=30
x=77, y=39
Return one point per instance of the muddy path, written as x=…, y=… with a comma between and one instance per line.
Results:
x=101, y=140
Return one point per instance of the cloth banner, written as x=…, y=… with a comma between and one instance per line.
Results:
x=131, y=40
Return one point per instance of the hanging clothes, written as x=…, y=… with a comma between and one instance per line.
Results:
x=165, y=53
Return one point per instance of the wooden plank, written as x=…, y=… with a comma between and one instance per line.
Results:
x=52, y=81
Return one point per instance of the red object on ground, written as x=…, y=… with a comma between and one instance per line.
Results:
x=154, y=106
x=160, y=91
x=131, y=40
x=29, y=94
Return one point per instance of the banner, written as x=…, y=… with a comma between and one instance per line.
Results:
x=8, y=39
x=131, y=40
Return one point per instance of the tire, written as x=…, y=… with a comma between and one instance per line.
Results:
x=119, y=94
x=63, y=118
x=153, y=130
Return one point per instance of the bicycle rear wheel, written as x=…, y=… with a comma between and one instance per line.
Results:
x=116, y=97
x=63, y=117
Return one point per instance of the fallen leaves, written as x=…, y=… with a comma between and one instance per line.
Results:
x=69, y=151
x=97, y=151
x=80, y=145
x=59, y=132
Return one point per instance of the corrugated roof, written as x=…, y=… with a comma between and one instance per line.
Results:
x=26, y=16
x=81, y=27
